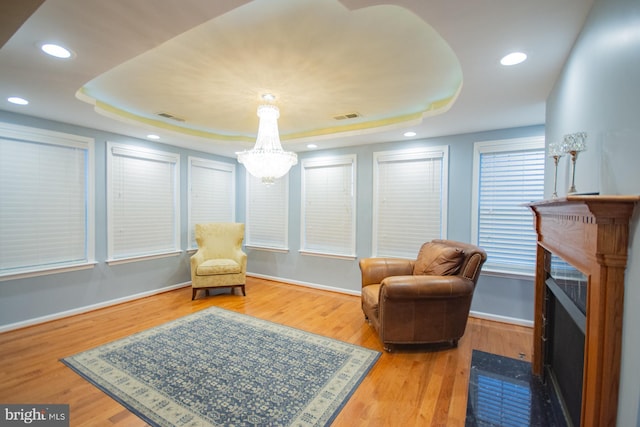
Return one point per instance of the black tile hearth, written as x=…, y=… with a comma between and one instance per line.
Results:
x=504, y=392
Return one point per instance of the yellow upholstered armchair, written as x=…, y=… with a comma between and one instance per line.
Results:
x=219, y=261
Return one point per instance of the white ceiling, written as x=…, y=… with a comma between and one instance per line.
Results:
x=137, y=58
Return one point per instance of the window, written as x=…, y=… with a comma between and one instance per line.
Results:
x=143, y=202
x=267, y=213
x=46, y=201
x=328, y=206
x=507, y=175
x=409, y=200
x=212, y=194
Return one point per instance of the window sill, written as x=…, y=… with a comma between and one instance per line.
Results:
x=142, y=258
x=327, y=255
x=507, y=274
x=43, y=272
x=267, y=248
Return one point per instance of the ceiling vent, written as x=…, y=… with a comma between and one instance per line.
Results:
x=346, y=116
x=170, y=116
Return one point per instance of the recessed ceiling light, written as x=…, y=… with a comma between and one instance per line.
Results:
x=151, y=136
x=410, y=133
x=513, y=58
x=312, y=146
x=56, y=50
x=17, y=100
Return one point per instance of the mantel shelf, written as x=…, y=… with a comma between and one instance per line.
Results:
x=590, y=198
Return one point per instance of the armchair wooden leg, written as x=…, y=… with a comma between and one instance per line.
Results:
x=243, y=291
x=193, y=293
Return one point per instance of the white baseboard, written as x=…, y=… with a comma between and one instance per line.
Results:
x=87, y=308
x=477, y=314
x=305, y=284
x=502, y=319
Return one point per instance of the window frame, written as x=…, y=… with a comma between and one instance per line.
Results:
x=26, y=134
x=501, y=146
x=214, y=165
x=330, y=161
x=422, y=153
x=143, y=153
x=251, y=184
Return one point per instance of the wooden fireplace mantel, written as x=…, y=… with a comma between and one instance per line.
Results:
x=592, y=234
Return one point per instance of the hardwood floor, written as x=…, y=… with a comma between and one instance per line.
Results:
x=407, y=387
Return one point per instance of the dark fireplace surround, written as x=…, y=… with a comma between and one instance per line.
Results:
x=579, y=295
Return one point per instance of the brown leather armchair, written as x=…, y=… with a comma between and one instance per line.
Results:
x=421, y=301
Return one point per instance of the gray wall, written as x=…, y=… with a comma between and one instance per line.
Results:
x=26, y=300
x=599, y=92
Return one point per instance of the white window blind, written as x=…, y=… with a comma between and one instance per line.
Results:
x=409, y=200
x=143, y=202
x=46, y=200
x=267, y=213
x=508, y=174
x=212, y=194
x=328, y=206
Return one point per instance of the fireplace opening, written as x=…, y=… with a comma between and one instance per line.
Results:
x=565, y=335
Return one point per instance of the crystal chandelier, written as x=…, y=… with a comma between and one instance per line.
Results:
x=267, y=160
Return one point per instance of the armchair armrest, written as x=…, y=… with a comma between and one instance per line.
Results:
x=425, y=287
x=241, y=258
x=374, y=270
x=196, y=259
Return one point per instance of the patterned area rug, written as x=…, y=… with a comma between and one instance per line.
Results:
x=219, y=368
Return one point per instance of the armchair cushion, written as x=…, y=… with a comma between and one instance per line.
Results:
x=218, y=266
x=438, y=259
x=426, y=287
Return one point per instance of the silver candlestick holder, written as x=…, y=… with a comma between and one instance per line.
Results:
x=573, y=144
x=555, y=152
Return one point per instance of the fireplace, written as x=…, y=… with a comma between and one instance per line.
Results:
x=579, y=298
